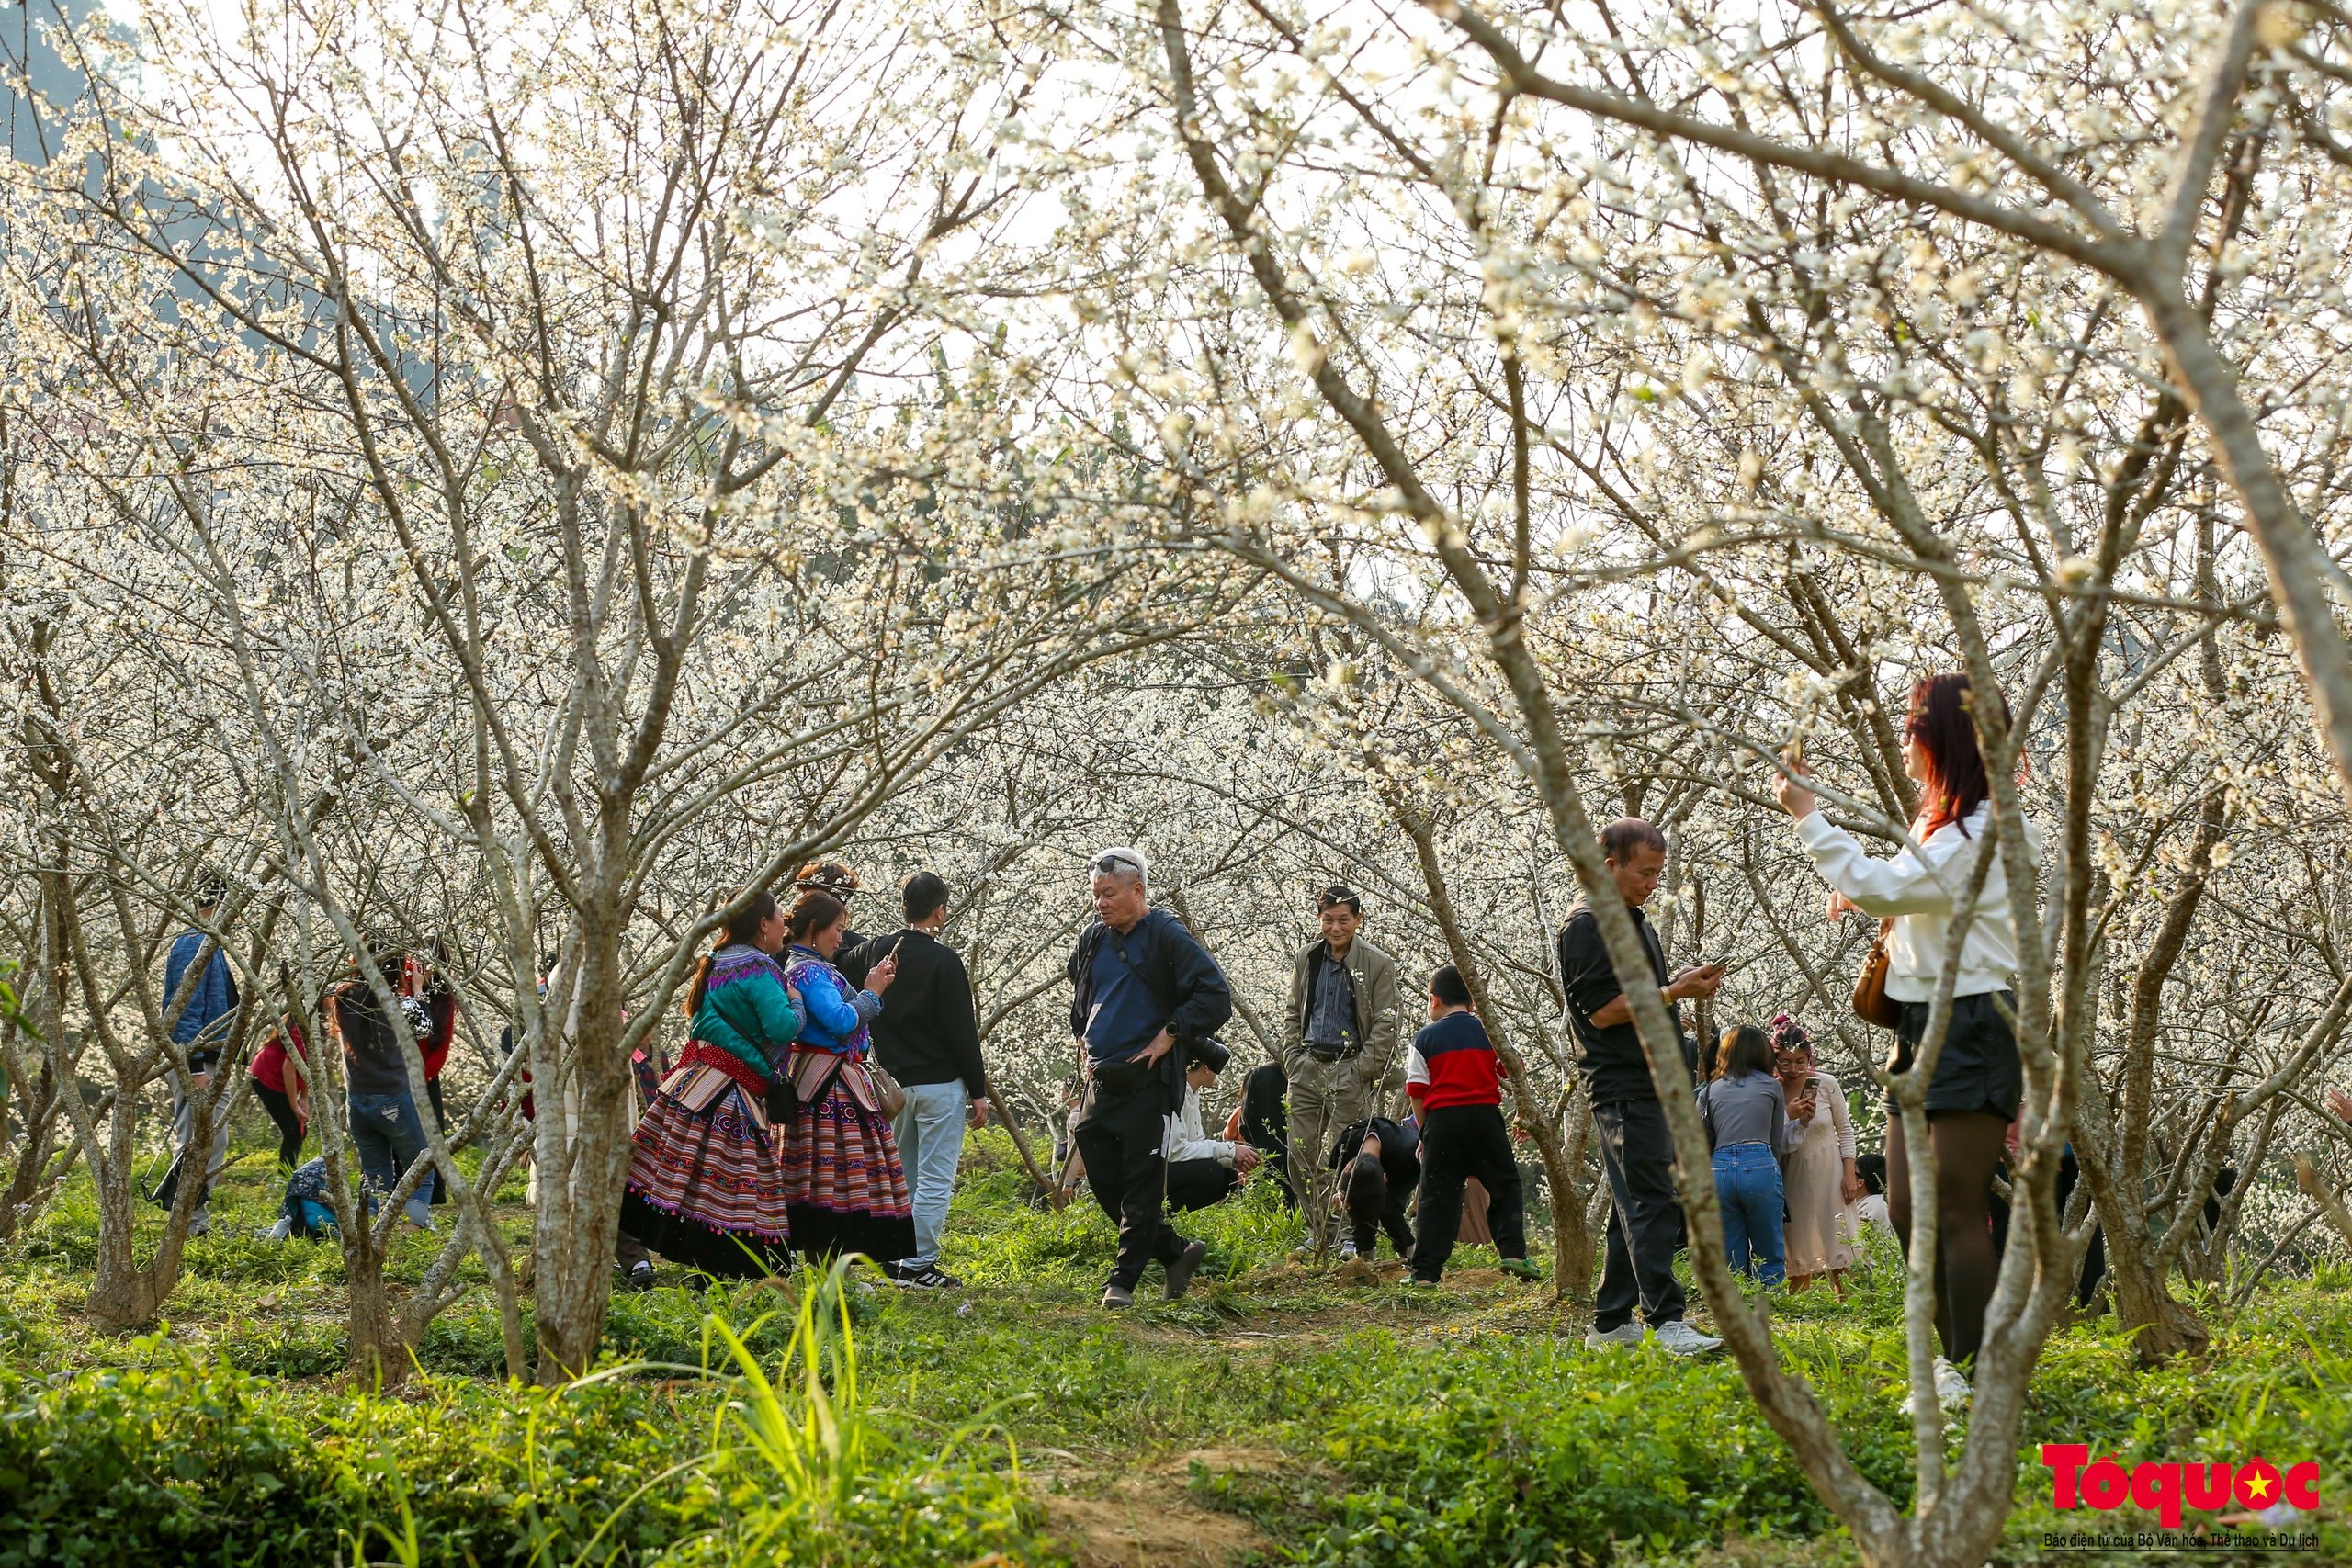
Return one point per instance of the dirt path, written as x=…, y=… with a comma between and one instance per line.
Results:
x=1150, y=1519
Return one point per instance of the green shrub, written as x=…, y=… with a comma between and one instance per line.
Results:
x=1510, y=1452
x=185, y=1463
x=180, y=1462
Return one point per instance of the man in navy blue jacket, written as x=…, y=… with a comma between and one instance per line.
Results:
x=1145, y=998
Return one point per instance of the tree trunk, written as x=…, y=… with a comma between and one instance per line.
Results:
x=1572, y=1246
x=2161, y=1327
x=121, y=1295
x=124, y=1295
x=39, y=1167
x=2297, y=563
x=579, y=1216
x=1044, y=1184
x=377, y=1357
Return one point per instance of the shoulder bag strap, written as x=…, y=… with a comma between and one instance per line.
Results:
x=1119, y=947
x=825, y=1085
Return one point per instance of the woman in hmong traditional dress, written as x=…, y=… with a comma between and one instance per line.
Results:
x=844, y=1180
x=706, y=1180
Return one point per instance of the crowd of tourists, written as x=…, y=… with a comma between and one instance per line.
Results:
x=820, y=1105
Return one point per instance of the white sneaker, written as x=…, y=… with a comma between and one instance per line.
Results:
x=1626, y=1333
x=1348, y=1250
x=280, y=1231
x=1952, y=1386
x=1679, y=1338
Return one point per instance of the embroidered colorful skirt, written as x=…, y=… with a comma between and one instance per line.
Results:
x=705, y=1178
x=844, y=1185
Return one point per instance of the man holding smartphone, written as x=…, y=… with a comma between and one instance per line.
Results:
x=1644, y=1217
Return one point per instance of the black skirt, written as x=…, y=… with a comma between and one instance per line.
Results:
x=1978, y=1069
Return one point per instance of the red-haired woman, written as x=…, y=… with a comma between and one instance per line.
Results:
x=705, y=1178
x=1978, y=1082
x=844, y=1179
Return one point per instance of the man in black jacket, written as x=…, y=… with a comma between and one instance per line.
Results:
x=1145, y=998
x=928, y=1037
x=1637, y=1153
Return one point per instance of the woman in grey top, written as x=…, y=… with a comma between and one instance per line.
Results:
x=1746, y=1114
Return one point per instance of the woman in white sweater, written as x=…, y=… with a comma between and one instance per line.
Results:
x=1819, y=1176
x=1978, y=1082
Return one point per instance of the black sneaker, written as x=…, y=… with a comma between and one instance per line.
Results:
x=1182, y=1269
x=928, y=1277
x=641, y=1275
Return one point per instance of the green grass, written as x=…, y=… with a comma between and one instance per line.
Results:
x=1342, y=1425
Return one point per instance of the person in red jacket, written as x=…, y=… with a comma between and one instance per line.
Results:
x=429, y=983
x=281, y=1075
x=1456, y=1082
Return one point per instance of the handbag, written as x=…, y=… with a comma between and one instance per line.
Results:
x=783, y=1098
x=1872, y=1004
x=888, y=1090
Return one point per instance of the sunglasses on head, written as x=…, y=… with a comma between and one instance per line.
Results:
x=1112, y=863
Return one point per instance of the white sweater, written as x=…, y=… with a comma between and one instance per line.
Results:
x=1829, y=1109
x=1187, y=1139
x=1919, y=889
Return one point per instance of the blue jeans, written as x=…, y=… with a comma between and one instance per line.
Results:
x=931, y=1145
x=1748, y=1182
x=389, y=1135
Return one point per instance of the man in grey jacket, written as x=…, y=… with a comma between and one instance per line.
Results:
x=1338, y=1045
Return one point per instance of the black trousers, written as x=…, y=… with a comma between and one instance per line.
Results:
x=1120, y=1136
x=1459, y=1142
x=1644, y=1218
x=1393, y=1216
x=1265, y=1125
x=1197, y=1183
x=290, y=1126
x=440, y=1119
